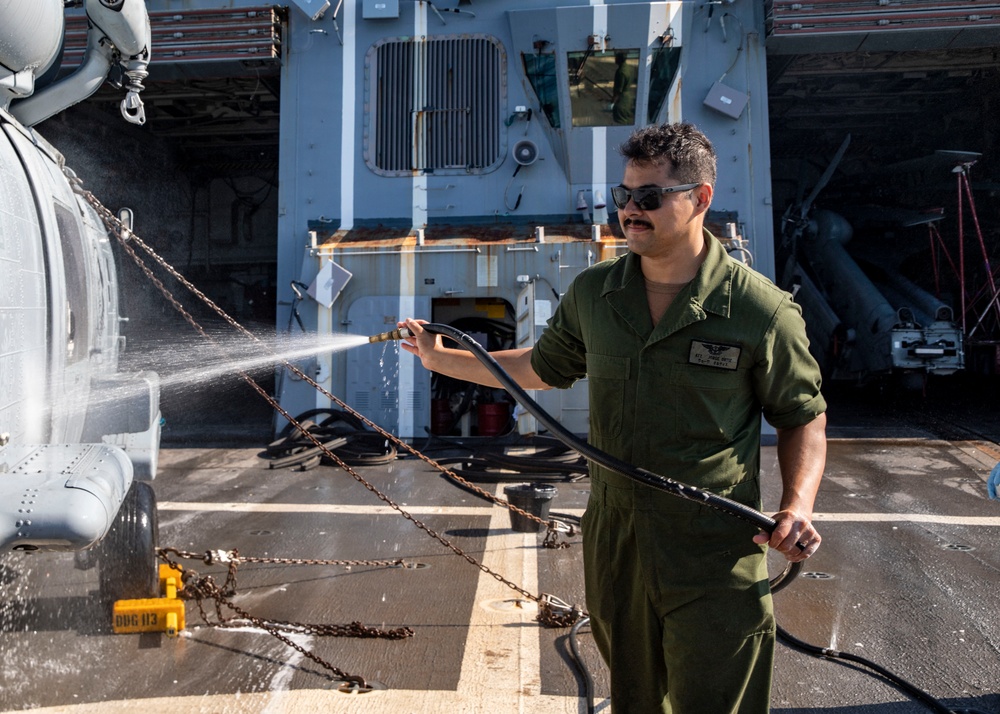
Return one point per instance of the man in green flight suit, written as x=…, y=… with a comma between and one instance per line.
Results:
x=684, y=349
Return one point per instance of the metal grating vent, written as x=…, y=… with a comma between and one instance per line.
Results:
x=435, y=105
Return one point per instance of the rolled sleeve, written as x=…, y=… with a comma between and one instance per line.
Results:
x=559, y=357
x=786, y=376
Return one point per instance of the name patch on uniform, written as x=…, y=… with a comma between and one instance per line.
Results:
x=713, y=354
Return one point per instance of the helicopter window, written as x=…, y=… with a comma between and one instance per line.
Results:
x=540, y=69
x=661, y=76
x=602, y=87
x=75, y=269
x=435, y=105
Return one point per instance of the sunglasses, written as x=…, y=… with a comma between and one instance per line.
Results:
x=648, y=198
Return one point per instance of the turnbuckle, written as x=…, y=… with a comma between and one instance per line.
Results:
x=213, y=557
x=561, y=527
x=552, y=534
x=553, y=603
x=554, y=612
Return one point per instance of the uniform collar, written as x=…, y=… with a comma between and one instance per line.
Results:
x=709, y=292
x=712, y=286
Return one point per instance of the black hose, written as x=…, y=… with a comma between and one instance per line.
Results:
x=923, y=697
x=588, y=681
x=480, y=476
x=662, y=483
x=480, y=444
x=339, y=433
x=517, y=463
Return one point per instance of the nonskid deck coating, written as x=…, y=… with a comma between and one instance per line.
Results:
x=903, y=578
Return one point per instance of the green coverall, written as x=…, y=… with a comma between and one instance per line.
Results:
x=677, y=592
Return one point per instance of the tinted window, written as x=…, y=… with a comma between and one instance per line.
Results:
x=541, y=72
x=602, y=87
x=661, y=76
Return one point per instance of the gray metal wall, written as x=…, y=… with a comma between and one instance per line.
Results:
x=327, y=186
x=325, y=181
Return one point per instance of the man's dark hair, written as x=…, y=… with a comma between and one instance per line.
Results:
x=683, y=147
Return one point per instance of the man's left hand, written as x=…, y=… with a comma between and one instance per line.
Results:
x=793, y=536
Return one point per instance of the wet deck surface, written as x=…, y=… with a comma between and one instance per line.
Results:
x=905, y=578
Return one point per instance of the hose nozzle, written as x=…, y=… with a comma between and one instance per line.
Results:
x=400, y=333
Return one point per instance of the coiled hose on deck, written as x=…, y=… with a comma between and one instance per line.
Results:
x=338, y=431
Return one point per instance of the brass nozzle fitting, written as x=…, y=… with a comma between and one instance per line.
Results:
x=400, y=333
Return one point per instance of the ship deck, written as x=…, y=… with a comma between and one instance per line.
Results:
x=903, y=579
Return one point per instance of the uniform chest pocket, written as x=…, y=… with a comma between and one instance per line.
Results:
x=709, y=401
x=607, y=376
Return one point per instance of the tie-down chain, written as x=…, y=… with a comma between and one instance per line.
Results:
x=552, y=611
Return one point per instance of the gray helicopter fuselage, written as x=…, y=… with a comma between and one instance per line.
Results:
x=74, y=430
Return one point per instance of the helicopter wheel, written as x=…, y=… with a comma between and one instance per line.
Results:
x=127, y=556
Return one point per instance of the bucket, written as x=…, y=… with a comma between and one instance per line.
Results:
x=533, y=498
x=442, y=419
x=493, y=418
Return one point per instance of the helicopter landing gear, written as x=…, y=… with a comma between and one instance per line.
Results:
x=127, y=560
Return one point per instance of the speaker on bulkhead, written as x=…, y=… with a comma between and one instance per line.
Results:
x=525, y=152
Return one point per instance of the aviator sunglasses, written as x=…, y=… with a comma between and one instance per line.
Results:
x=647, y=198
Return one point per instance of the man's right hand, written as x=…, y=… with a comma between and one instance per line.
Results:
x=421, y=344
x=462, y=364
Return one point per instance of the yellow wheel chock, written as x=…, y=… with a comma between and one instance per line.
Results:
x=159, y=614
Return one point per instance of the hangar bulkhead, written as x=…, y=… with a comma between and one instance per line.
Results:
x=337, y=166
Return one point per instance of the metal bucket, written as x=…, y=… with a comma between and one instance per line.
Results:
x=533, y=498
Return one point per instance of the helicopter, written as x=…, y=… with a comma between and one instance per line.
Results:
x=79, y=438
